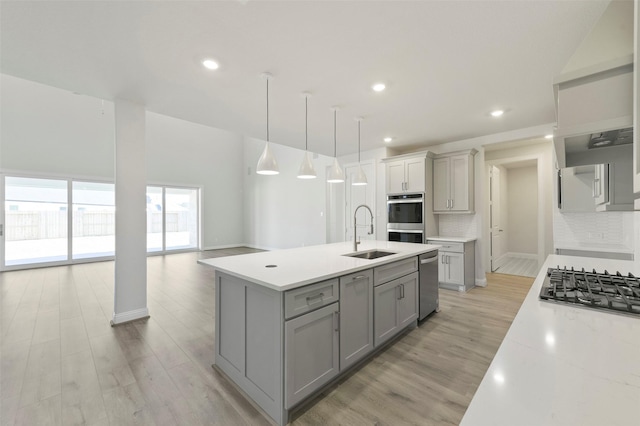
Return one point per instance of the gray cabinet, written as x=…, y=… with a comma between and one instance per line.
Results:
x=453, y=182
x=356, y=317
x=311, y=352
x=406, y=175
x=396, y=306
x=457, y=260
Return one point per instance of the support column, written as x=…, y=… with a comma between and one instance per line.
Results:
x=130, y=289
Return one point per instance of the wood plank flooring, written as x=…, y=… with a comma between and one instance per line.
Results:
x=62, y=363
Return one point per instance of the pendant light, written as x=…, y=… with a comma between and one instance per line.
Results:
x=306, y=170
x=361, y=178
x=336, y=175
x=267, y=164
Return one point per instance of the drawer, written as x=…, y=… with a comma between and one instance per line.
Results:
x=310, y=297
x=448, y=246
x=391, y=271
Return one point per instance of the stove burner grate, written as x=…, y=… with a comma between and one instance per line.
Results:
x=615, y=292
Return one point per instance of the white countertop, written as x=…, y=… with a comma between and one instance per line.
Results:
x=563, y=365
x=306, y=265
x=452, y=239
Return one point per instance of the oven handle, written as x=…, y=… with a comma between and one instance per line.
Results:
x=408, y=231
x=410, y=201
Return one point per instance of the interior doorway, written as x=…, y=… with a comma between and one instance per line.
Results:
x=513, y=217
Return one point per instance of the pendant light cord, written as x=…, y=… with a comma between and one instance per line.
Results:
x=306, y=124
x=335, y=143
x=267, y=110
x=358, y=141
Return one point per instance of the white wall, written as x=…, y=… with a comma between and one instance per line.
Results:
x=522, y=210
x=51, y=131
x=187, y=154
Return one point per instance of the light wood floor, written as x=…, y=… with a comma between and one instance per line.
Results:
x=63, y=364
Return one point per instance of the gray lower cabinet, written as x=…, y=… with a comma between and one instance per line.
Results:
x=282, y=347
x=311, y=352
x=396, y=306
x=356, y=317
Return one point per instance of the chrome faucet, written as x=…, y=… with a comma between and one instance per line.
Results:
x=355, y=223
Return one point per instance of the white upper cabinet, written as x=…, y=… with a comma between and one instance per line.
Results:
x=453, y=182
x=406, y=175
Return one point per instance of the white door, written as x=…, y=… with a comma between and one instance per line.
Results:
x=356, y=195
x=497, y=240
x=441, y=182
x=455, y=268
x=459, y=185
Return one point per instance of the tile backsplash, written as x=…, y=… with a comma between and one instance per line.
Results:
x=589, y=231
x=458, y=225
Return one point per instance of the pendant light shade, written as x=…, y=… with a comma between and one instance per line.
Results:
x=336, y=174
x=360, y=178
x=306, y=170
x=267, y=164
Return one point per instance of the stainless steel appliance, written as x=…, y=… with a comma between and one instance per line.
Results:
x=428, y=288
x=610, y=292
x=405, y=218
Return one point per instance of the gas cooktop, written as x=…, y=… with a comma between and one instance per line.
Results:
x=599, y=290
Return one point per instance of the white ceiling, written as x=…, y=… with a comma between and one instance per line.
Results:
x=446, y=64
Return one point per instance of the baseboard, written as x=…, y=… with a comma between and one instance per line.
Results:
x=123, y=317
x=481, y=282
x=259, y=247
x=226, y=246
x=532, y=256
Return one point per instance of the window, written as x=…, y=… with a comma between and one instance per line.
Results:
x=94, y=219
x=36, y=220
x=54, y=221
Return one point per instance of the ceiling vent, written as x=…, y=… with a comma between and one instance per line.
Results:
x=611, y=138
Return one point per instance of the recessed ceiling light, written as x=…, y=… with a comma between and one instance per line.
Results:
x=378, y=87
x=388, y=140
x=210, y=64
x=548, y=137
x=497, y=113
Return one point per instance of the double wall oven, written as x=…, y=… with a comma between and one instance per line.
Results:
x=405, y=218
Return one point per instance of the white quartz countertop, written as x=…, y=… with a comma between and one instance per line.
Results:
x=452, y=239
x=563, y=365
x=301, y=266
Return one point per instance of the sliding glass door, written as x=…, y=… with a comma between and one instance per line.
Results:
x=94, y=219
x=56, y=221
x=35, y=220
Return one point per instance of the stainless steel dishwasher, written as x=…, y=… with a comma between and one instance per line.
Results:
x=428, y=291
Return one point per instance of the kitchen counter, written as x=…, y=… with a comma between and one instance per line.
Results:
x=563, y=365
x=305, y=265
x=452, y=239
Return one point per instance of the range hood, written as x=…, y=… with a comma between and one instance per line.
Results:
x=611, y=138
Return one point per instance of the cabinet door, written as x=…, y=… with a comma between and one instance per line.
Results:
x=356, y=317
x=443, y=273
x=459, y=183
x=407, y=304
x=441, y=182
x=414, y=171
x=395, y=177
x=455, y=268
x=385, y=311
x=601, y=184
x=311, y=352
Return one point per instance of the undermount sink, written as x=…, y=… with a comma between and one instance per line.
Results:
x=371, y=254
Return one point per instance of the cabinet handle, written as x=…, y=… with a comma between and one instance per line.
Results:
x=336, y=319
x=319, y=295
x=402, y=289
x=399, y=292
x=359, y=277
x=452, y=203
x=442, y=259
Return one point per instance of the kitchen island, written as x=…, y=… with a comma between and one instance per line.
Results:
x=290, y=322
x=563, y=365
